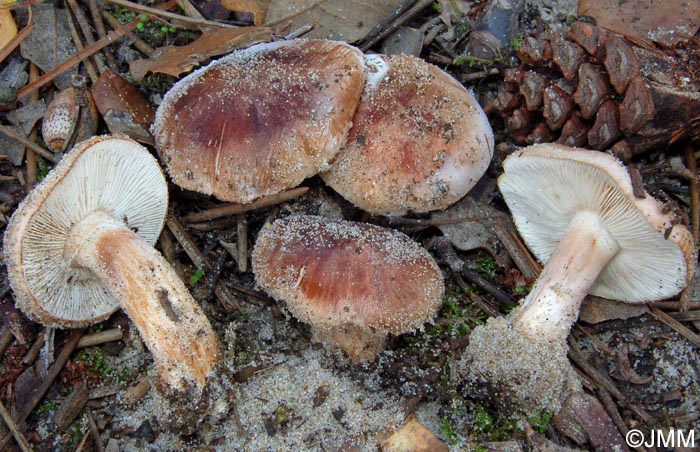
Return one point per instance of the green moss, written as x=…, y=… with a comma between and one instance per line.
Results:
x=448, y=431
x=482, y=419
x=43, y=168
x=540, y=423
x=487, y=267
x=47, y=406
x=95, y=359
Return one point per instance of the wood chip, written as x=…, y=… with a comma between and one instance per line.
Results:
x=71, y=407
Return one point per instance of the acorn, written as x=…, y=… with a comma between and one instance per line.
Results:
x=67, y=121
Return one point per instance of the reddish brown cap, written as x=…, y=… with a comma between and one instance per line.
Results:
x=335, y=273
x=419, y=141
x=261, y=120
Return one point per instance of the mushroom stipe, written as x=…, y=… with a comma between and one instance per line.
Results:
x=79, y=247
x=577, y=211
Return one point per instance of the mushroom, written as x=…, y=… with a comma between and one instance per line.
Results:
x=80, y=246
x=261, y=120
x=419, y=140
x=352, y=282
x=578, y=212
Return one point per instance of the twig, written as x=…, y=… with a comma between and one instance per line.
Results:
x=403, y=221
x=242, y=234
x=6, y=338
x=396, y=23
x=14, y=429
x=34, y=350
x=94, y=430
x=517, y=250
x=139, y=43
x=101, y=32
x=190, y=9
x=30, y=144
x=614, y=413
x=447, y=253
x=89, y=50
x=576, y=355
x=30, y=155
x=167, y=246
x=675, y=305
x=77, y=40
x=86, y=29
x=158, y=12
x=687, y=294
x=234, y=209
x=111, y=335
x=187, y=243
x=53, y=372
x=83, y=440
x=295, y=14
x=675, y=325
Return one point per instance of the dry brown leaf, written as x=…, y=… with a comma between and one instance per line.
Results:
x=124, y=108
x=178, y=60
x=583, y=419
x=257, y=7
x=666, y=22
x=412, y=437
x=8, y=27
x=51, y=26
x=343, y=20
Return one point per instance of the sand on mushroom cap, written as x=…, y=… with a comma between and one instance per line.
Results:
x=576, y=211
x=80, y=246
x=419, y=140
x=353, y=282
x=260, y=120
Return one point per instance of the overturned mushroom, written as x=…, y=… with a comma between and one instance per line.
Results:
x=260, y=120
x=80, y=247
x=577, y=212
x=352, y=282
x=419, y=140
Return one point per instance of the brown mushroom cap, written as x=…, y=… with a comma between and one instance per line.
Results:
x=334, y=273
x=260, y=120
x=419, y=141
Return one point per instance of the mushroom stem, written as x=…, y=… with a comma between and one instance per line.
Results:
x=553, y=304
x=171, y=323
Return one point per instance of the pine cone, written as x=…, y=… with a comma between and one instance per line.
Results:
x=591, y=87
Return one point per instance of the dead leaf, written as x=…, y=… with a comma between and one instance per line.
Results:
x=22, y=120
x=413, y=437
x=666, y=22
x=623, y=370
x=257, y=7
x=178, y=60
x=597, y=309
x=49, y=43
x=583, y=419
x=342, y=20
x=8, y=27
x=124, y=108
